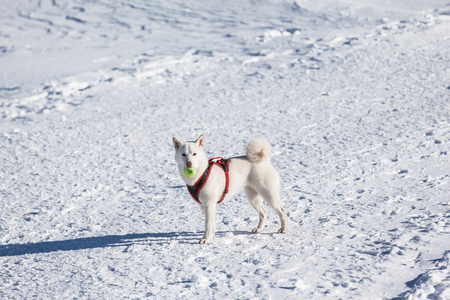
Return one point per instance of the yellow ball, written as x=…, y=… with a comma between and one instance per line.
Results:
x=190, y=172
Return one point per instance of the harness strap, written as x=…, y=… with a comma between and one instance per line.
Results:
x=195, y=189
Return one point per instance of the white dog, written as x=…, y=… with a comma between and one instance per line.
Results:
x=209, y=183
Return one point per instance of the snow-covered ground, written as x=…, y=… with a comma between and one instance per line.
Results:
x=354, y=97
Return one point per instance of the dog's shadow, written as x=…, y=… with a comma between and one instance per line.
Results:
x=104, y=242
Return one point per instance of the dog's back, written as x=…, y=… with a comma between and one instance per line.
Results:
x=254, y=171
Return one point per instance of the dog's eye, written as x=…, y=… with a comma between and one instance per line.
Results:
x=184, y=154
x=194, y=154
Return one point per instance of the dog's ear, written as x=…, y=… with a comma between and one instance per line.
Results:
x=177, y=143
x=200, y=141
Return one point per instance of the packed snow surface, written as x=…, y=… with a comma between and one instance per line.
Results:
x=354, y=97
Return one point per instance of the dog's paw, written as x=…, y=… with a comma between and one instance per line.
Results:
x=257, y=230
x=202, y=241
x=282, y=230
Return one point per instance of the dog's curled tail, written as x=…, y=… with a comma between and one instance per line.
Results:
x=258, y=150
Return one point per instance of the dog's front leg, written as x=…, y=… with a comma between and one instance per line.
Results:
x=210, y=223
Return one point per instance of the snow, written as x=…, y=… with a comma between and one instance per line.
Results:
x=353, y=96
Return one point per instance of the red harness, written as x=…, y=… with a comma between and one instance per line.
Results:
x=195, y=189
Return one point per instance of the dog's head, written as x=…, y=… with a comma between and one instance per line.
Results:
x=190, y=154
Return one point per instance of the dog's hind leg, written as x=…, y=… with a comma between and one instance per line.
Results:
x=272, y=197
x=256, y=201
